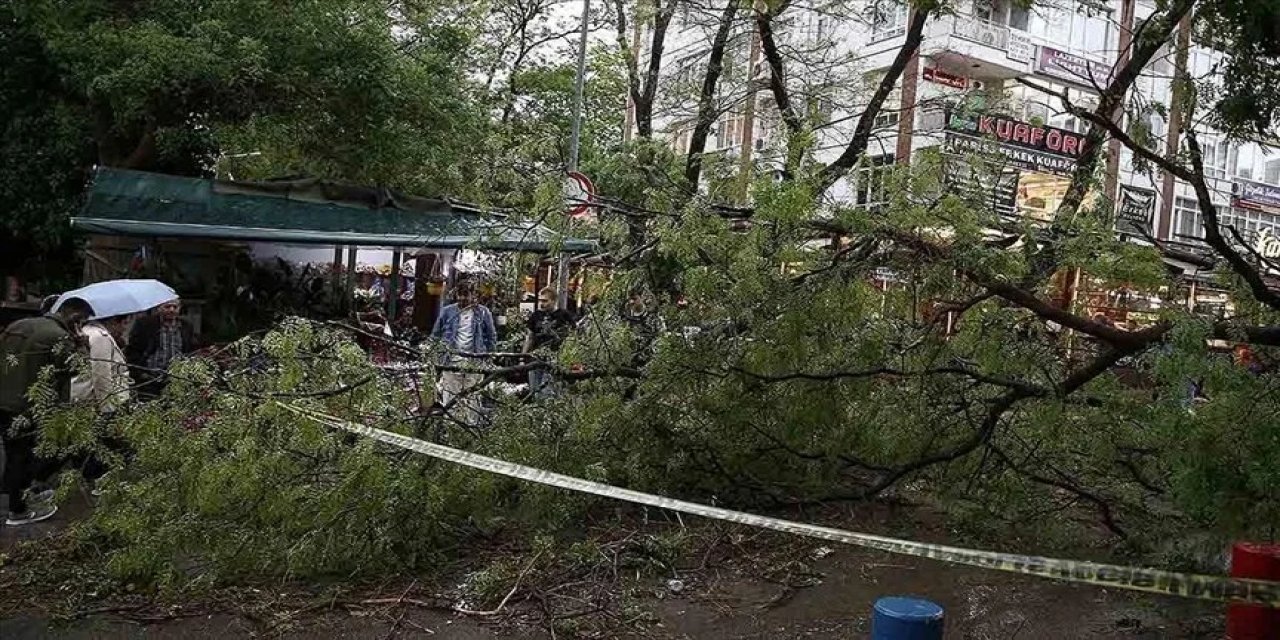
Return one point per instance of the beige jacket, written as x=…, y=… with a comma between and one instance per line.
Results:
x=107, y=380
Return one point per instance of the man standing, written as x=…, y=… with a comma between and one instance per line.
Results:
x=157, y=339
x=466, y=330
x=27, y=348
x=547, y=328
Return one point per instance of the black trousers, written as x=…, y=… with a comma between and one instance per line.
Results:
x=21, y=465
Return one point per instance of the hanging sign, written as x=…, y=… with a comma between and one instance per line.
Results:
x=1072, y=68
x=945, y=78
x=1020, y=49
x=1135, y=209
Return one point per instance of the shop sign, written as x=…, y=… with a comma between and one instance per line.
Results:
x=1255, y=195
x=994, y=189
x=936, y=75
x=1051, y=140
x=1267, y=244
x=1017, y=157
x=1072, y=68
x=1135, y=209
x=1020, y=47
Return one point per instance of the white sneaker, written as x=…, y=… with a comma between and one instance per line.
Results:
x=37, y=513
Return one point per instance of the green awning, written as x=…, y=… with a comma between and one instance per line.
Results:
x=134, y=203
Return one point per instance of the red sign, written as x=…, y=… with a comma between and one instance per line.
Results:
x=1022, y=134
x=579, y=193
x=934, y=74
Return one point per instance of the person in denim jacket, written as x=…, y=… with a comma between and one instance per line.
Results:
x=466, y=330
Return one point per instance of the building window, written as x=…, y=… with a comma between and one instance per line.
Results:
x=1087, y=31
x=871, y=181
x=1092, y=32
x=1051, y=23
x=1251, y=225
x=1217, y=155
x=1019, y=17
x=1188, y=224
x=984, y=10
x=888, y=19
x=890, y=111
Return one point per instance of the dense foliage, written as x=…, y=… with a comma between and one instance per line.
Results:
x=790, y=352
x=251, y=89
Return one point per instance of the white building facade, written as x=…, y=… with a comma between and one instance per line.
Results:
x=966, y=87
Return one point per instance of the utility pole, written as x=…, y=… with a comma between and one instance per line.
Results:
x=746, y=167
x=562, y=284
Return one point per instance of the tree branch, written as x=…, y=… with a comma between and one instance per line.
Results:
x=862, y=132
x=706, y=101
x=1213, y=232
x=644, y=106
x=1026, y=387
x=777, y=76
x=633, y=64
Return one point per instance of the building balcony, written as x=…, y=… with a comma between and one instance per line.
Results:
x=981, y=48
x=984, y=32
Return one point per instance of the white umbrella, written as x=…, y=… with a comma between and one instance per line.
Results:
x=121, y=297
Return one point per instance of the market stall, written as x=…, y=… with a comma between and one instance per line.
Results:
x=330, y=240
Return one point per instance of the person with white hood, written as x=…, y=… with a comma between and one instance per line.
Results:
x=106, y=382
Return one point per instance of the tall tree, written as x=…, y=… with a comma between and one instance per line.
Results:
x=344, y=89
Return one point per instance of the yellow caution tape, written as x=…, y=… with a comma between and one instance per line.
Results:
x=1217, y=588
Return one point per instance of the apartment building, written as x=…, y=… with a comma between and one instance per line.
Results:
x=972, y=83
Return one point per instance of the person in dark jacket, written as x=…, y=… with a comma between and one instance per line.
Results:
x=156, y=340
x=27, y=348
x=547, y=328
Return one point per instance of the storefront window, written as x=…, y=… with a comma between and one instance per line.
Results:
x=1039, y=194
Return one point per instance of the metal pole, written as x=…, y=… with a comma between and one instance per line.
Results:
x=562, y=281
x=393, y=305
x=348, y=300
x=577, y=88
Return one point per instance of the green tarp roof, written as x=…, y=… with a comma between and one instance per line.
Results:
x=134, y=203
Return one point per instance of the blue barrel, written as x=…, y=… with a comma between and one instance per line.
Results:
x=902, y=618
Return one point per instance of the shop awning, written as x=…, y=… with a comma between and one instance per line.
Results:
x=133, y=203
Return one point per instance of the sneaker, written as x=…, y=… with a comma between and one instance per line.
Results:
x=40, y=497
x=36, y=514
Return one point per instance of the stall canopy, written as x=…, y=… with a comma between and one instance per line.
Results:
x=133, y=203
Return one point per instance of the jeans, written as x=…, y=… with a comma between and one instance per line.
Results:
x=540, y=385
x=467, y=408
